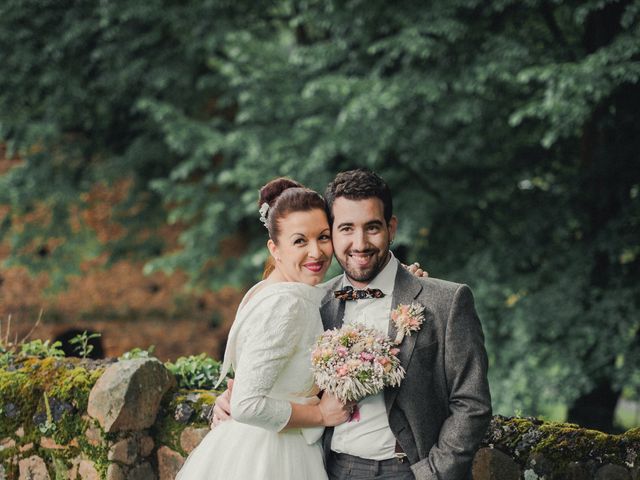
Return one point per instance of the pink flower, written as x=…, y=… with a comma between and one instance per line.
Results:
x=407, y=319
x=355, y=415
x=342, y=362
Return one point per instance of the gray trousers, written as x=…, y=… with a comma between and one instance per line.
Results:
x=346, y=467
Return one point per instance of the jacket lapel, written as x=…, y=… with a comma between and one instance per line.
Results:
x=405, y=291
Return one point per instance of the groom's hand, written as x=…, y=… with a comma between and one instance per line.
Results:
x=222, y=408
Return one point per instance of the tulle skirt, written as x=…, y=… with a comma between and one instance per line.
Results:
x=236, y=451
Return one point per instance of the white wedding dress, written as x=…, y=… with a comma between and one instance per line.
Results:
x=269, y=348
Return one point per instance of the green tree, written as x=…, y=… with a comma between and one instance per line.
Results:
x=507, y=131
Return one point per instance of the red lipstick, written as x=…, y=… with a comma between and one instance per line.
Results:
x=315, y=267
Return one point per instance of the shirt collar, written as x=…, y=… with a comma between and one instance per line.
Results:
x=385, y=280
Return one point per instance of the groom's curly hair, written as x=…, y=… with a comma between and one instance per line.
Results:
x=359, y=184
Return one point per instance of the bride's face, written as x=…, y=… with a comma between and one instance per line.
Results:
x=303, y=252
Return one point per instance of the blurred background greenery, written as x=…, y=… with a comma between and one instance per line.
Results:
x=508, y=131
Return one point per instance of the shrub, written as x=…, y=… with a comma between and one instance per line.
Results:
x=196, y=372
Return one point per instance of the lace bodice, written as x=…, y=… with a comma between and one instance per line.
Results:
x=269, y=348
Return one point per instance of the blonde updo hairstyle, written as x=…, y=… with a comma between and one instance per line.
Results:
x=285, y=196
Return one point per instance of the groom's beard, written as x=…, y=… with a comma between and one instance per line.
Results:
x=366, y=274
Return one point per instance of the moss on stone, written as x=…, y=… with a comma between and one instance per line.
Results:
x=167, y=429
x=167, y=432
x=560, y=443
x=47, y=398
x=98, y=454
x=8, y=453
x=632, y=435
x=17, y=401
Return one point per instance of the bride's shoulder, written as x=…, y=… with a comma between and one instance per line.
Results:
x=287, y=293
x=275, y=308
x=294, y=290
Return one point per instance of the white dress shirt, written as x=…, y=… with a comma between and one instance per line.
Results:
x=370, y=437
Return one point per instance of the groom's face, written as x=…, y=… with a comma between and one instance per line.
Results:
x=361, y=238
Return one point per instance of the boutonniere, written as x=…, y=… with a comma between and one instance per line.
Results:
x=407, y=319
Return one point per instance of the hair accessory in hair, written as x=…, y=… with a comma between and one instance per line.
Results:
x=264, y=210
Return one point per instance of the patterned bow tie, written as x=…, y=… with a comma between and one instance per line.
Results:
x=348, y=293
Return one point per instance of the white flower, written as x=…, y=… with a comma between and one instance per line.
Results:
x=264, y=210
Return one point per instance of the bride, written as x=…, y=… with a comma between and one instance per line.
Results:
x=274, y=403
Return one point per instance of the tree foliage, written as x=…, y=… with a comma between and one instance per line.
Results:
x=507, y=130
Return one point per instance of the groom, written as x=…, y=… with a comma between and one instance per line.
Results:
x=428, y=428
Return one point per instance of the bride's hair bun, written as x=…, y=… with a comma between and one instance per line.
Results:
x=284, y=196
x=272, y=190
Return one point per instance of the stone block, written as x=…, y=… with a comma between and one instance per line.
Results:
x=489, y=464
x=26, y=447
x=51, y=444
x=577, y=471
x=144, y=471
x=115, y=472
x=541, y=465
x=93, y=436
x=145, y=446
x=33, y=468
x=124, y=451
x=127, y=395
x=73, y=471
x=169, y=463
x=191, y=437
x=612, y=472
x=87, y=470
x=7, y=443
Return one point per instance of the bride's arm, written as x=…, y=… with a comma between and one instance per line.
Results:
x=328, y=413
x=272, y=337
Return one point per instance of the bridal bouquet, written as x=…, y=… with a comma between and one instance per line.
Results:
x=355, y=361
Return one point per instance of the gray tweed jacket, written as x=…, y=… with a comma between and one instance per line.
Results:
x=441, y=410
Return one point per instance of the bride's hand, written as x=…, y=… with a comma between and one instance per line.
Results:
x=222, y=408
x=416, y=270
x=333, y=411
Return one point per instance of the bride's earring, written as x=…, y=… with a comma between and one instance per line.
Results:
x=273, y=250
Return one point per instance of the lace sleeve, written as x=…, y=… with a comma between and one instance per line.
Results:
x=270, y=340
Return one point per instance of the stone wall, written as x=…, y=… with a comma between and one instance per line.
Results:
x=530, y=449
x=81, y=419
